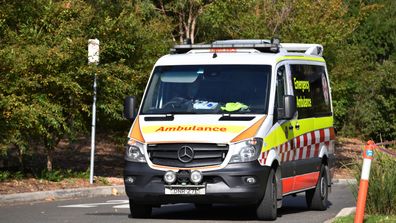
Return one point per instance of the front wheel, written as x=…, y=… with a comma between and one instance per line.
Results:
x=317, y=198
x=203, y=206
x=139, y=210
x=267, y=209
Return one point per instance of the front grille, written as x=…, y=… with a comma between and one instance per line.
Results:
x=205, y=154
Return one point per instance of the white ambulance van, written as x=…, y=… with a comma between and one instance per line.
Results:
x=236, y=121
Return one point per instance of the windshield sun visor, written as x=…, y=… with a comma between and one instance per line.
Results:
x=187, y=77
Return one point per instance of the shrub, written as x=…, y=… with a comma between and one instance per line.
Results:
x=4, y=175
x=53, y=175
x=7, y=175
x=381, y=198
x=59, y=175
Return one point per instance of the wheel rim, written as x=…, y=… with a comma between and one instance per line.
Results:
x=323, y=187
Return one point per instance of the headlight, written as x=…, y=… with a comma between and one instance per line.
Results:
x=247, y=151
x=134, y=152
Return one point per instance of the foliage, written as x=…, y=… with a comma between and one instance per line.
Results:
x=382, y=188
x=367, y=219
x=46, y=86
x=322, y=22
x=59, y=175
x=363, y=75
x=7, y=175
x=184, y=15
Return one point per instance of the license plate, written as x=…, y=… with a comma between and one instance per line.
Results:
x=185, y=189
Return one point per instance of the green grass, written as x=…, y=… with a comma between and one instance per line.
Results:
x=367, y=219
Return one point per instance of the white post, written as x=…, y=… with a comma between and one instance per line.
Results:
x=93, y=58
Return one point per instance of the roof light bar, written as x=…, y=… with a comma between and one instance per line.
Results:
x=262, y=47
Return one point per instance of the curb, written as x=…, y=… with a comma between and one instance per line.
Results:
x=344, y=181
x=342, y=213
x=61, y=194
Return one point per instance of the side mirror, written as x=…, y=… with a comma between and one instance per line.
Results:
x=129, y=108
x=290, y=107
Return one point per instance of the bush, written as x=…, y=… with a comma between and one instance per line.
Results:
x=7, y=175
x=4, y=175
x=59, y=175
x=53, y=175
x=381, y=198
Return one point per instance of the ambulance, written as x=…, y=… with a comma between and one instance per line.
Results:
x=243, y=122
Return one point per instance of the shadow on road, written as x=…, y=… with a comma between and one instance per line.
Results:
x=291, y=205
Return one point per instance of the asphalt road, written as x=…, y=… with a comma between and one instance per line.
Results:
x=116, y=209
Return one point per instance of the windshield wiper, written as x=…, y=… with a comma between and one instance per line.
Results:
x=229, y=117
x=167, y=117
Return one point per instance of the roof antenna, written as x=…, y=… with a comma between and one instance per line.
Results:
x=214, y=55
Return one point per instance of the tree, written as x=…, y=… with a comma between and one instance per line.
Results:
x=363, y=74
x=46, y=84
x=184, y=14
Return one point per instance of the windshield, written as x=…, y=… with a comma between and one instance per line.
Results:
x=208, y=89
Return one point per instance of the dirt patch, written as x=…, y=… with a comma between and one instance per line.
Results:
x=348, y=151
x=74, y=156
x=33, y=185
x=109, y=163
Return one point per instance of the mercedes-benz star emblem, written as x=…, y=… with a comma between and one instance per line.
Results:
x=185, y=154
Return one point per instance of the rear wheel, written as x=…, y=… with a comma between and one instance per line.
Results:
x=139, y=210
x=267, y=209
x=317, y=198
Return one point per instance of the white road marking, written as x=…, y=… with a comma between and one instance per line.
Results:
x=116, y=203
x=122, y=206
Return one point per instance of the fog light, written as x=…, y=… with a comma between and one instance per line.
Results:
x=130, y=180
x=196, y=176
x=250, y=180
x=170, y=177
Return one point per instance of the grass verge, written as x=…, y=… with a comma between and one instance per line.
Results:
x=381, y=198
x=367, y=219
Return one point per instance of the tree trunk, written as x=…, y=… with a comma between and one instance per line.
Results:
x=20, y=158
x=181, y=33
x=193, y=26
x=49, y=159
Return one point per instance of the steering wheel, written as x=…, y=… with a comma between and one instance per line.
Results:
x=176, y=102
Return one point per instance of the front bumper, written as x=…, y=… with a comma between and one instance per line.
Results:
x=227, y=185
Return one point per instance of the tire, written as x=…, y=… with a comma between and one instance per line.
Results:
x=317, y=198
x=203, y=206
x=139, y=210
x=267, y=209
